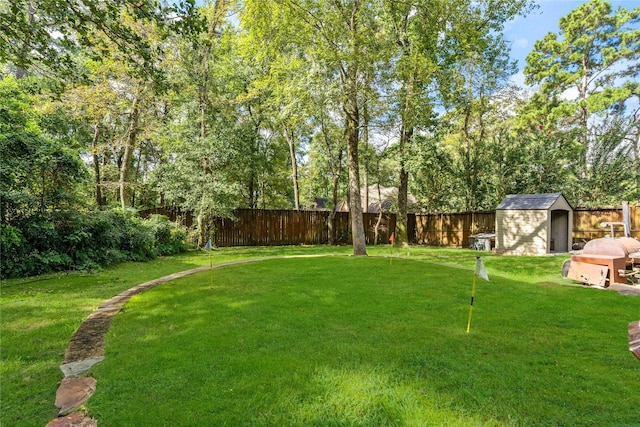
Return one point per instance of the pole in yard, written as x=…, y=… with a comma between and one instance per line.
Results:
x=473, y=293
x=392, y=239
x=207, y=247
x=478, y=271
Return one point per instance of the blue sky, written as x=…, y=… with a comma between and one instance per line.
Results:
x=523, y=32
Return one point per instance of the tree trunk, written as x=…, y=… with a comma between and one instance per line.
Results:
x=402, y=238
x=253, y=200
x=127, y=163
x=406, y=133
x=202, y=233
x=636, y=156
x=365, y=143
x=401, y=235
x=331, y=224
x=583, y=93
x=349, y=75
x=96, y=165
x=105, y=180
x=294, y=166
x=140, y=166
x=352, y=123
x=584, y=111
x=365, y=207
x=468, y=155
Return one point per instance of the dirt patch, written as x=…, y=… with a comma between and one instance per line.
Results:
x=88, y=341
x=625, y=289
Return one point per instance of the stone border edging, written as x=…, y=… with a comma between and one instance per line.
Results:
x=83, y=352
x=634, y=338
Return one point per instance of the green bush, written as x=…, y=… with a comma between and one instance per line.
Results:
x=62, y=241
x=11, y=250
x=170, y=238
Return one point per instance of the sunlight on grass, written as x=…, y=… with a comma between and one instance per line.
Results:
x=354, y=341
x=315, y=341
x=369, y=396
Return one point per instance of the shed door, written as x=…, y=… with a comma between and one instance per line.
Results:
x=559, y=231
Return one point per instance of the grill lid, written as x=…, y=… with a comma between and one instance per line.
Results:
x=620, y=246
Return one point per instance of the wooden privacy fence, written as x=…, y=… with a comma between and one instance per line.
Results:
x=256, y=227
x=453, y=229
x=586, y=222
x=252, y=227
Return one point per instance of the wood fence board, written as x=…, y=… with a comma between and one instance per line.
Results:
x=287, y=227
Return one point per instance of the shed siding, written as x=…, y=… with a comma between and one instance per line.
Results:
x=522, y=232
x=561, y=204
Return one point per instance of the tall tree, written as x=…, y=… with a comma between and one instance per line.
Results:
x=280, y=84
x=47, y=35
x=414, y=26
x=432, y=38
x=613, y=160
x=129, y=146
x=481, y=75
x=596, y=54
x=339, y=35
x=198, y=177
x=96, y=104
x=351, y=17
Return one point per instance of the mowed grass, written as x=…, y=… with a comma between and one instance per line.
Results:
x=352, y=341
x=39, y=315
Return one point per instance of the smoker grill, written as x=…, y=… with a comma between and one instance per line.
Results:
x=606, y=261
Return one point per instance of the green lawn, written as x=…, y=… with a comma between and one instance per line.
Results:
x=330, y=341
x=354, y=341
x=39, y=315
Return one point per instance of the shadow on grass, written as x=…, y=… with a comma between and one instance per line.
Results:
x=353, y=341
x=40, y=316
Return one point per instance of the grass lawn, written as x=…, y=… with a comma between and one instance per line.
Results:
x=330, y=341
x=39, y=315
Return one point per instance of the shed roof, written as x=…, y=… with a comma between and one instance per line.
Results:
x=529, y=201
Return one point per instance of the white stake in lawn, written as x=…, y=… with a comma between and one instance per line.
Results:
x=207, y=247
x=481, y=272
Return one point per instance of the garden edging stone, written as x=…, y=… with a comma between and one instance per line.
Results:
x=86, y=348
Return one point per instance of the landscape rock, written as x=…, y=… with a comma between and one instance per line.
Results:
x=76, y=419
x=86, y=348
x=75, y=369
x=634, y=338
x=73, y=393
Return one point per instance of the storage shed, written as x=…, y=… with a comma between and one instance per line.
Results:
x=534, y=224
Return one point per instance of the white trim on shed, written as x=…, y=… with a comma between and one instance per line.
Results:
x=534, y=224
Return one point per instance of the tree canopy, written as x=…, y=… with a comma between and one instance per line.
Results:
x=278, y=103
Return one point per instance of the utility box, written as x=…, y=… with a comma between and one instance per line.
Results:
x=482, y=241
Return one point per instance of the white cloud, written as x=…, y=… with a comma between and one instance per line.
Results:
x=570, y=94
x=518, y=79
x=521, y=43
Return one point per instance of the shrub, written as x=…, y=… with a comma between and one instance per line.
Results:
x=59, y=241
x=170, y=237
x=11, y=250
